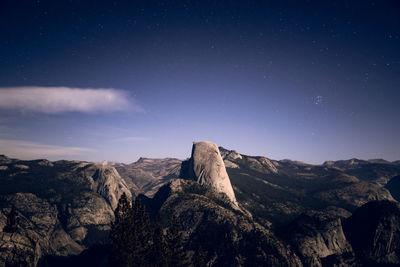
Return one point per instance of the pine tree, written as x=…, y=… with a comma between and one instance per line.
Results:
x=177, y=254
x=159, y=248
x=12, y=221
x=141, y=236
x=130, y=234
x=121, y=234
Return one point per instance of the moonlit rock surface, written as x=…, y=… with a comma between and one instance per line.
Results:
x=207, y=167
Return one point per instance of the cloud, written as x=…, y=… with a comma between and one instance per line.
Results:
x=54, y=100
x=33, y=150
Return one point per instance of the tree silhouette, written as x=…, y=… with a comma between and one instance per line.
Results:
x=159, y=250
x=121, y=234
x=141, y=235
x=177, y=253
x=130, y=236
x=137, y=242
x=12, y=221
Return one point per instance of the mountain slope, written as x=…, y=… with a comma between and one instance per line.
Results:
x=278, y=191
x=280, y=213
x=146, y=175
x=62, y=207
x=229, y=236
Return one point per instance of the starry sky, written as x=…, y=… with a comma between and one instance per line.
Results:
x=117, y=80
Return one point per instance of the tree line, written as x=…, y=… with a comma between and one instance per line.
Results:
x=138, y=241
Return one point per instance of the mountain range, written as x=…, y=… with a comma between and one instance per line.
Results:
x=242, y=210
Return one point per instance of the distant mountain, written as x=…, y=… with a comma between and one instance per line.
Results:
x=278, y=191
x=241, y=210
x=146, y=175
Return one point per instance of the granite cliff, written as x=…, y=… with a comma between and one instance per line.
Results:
x=207, y=168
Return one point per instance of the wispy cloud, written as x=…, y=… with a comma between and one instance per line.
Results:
x=33, y=150
x=65, y=99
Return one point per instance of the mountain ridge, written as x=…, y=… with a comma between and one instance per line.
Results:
x=71, y=204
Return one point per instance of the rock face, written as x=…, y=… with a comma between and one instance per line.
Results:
x=108, y=183
x=39, y=232
x=62, y=207
x=207, y=168
x=234, y=160
x=374, y=233
x=318, y=238
x=227, y=235
x=18, y=250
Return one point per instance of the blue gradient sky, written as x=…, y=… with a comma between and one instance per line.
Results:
x=303, y=80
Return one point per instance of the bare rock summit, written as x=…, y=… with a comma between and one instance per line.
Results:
x=207, y=168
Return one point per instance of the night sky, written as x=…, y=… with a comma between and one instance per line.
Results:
x=116, y=80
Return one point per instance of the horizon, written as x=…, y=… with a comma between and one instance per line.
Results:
x=185, y=158
x=117, y=81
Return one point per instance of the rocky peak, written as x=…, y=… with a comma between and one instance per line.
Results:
x=108, y=183
x=207, y=167
x=230, y=157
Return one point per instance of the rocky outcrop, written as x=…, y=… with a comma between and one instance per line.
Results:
x=109, y=184
x=38, y=233
x=233, y=159
x=374, y=233
x=18, y=250
x=318, y=237
x=63, y=207
x=207, y=168
x=227, y=235
x=230, y=157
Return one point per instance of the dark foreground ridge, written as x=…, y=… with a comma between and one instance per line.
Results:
x=238, y=210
